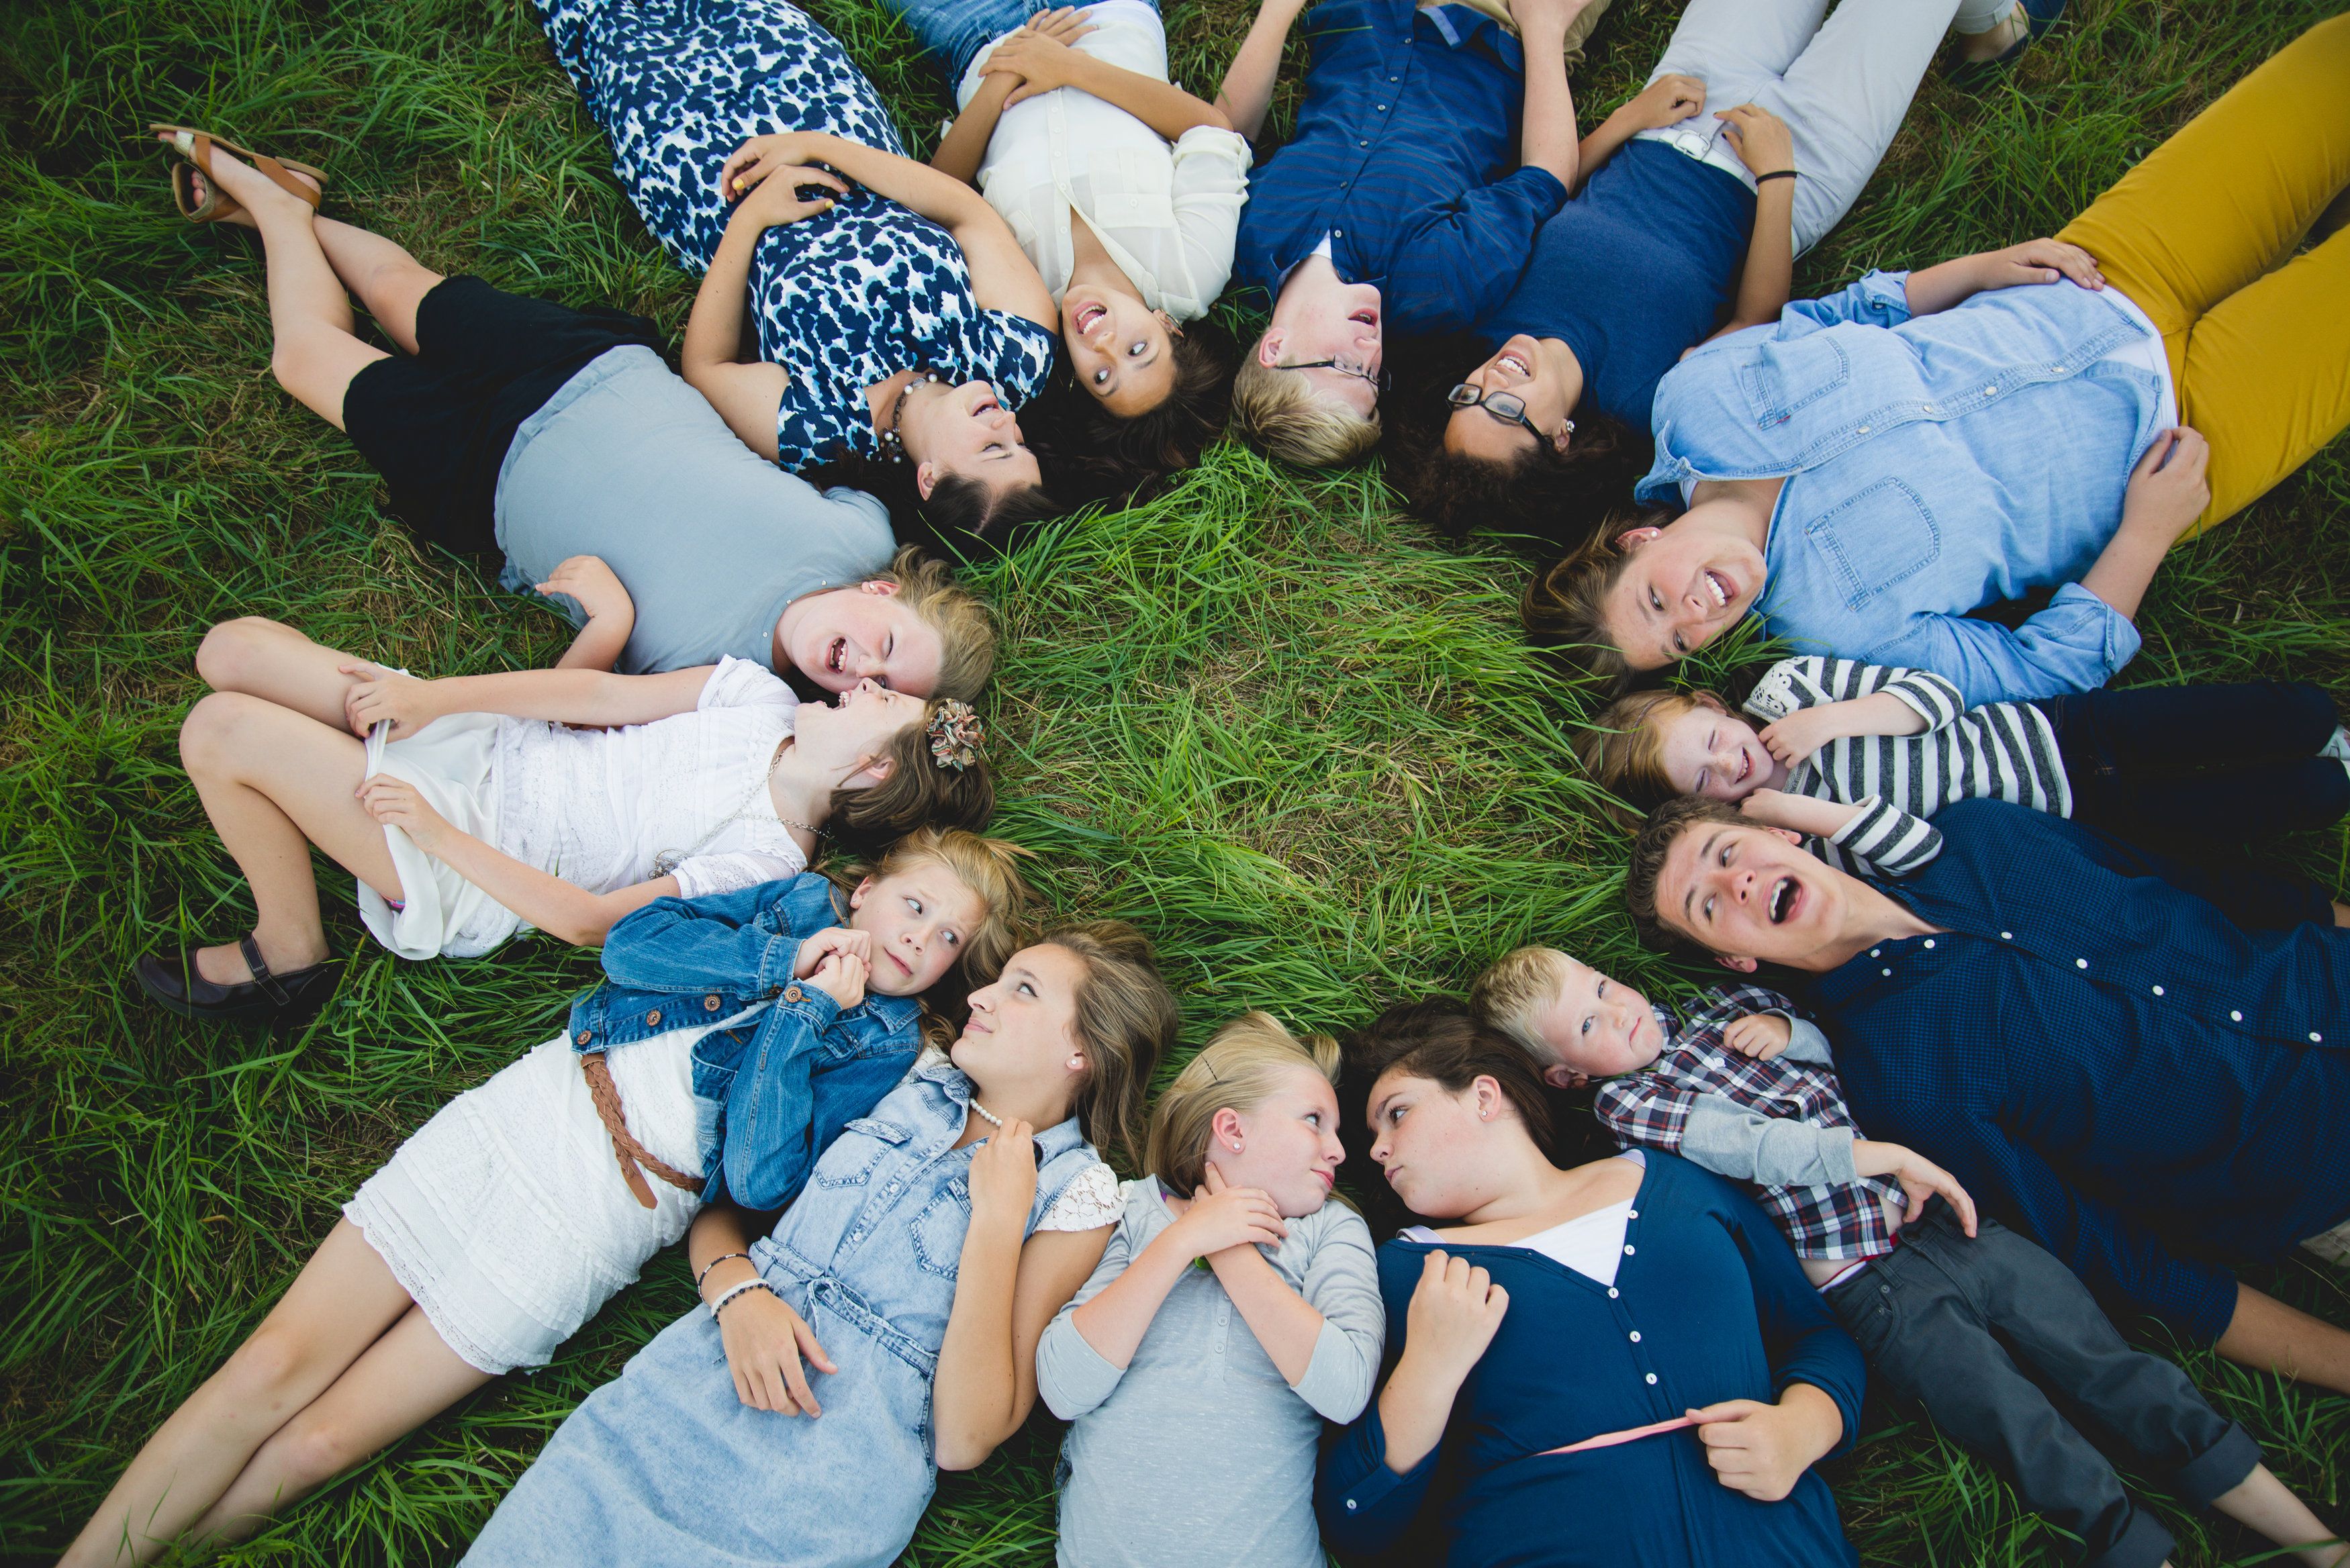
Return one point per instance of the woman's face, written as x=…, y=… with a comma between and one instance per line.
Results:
x=853, y=734
x=919, y=919
x=1288, y=1145
x=1425, y=1140
x=966, y=430
x=1680, y=588
x=845, y=636
x=1715, y=755
x=1524, y=367
x=1024, y=1026
x=1122, y=350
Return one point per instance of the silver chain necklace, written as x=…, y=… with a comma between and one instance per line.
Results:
x=669, y=860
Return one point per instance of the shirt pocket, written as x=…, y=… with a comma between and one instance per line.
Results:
x=939, y=1228
x=1785, y=377
x=860, y=1150
x=1876, y=538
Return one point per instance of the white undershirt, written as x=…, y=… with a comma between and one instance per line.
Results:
x=1591, y=1244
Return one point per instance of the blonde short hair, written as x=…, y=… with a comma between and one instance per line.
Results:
x=1623, y=750
x=1513, y=992
x=1239, y=1069
x=1281, y=412
x=966, y=630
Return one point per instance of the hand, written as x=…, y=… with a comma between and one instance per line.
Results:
x=594, y=586
x=1039, y=56
x=1920, y=1179
x=765, y=1341
x=1797, y=812
x=1455, y=1311
x=2167, y=491
x=382, y=694
x=1222, y=1217
x=1802, y=732
x=396, y=803
x=2037, y=261
x=829, y=940
x=1760, y=1036
x=775, y=199
x=750, y=163
x=842, y=977
x=1765, y=143
x=1545, y=17
x=1003, y=1177
x=1763, y=1450
x=1668, y=100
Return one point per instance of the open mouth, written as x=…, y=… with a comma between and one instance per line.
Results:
x=1745, y=764
x=1783, y=898
x=1366, y=317
x=1087, y=317
x=835, y=655
x=1722, y=589
x=1513, y=365
x=986, y=404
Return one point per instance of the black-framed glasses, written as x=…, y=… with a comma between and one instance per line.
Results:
x=1507, y=407
x=1383, y=381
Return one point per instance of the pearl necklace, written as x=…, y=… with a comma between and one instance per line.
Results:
x=892, y=443
x=989, y=1117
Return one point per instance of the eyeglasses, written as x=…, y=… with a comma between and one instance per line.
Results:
x=1354, y=367
x=1506, y=406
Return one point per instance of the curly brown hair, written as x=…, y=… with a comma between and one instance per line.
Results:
x=1442, y=1041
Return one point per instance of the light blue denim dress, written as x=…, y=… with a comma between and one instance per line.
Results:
x=665, y=1464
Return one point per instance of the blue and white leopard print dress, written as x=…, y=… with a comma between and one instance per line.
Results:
x=844, y=299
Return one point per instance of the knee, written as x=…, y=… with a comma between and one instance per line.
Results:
x=209, y=735
x=231, y=652
x=312, y=1450
x=270, y=1370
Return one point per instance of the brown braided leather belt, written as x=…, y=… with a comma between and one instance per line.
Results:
x=635, y=1157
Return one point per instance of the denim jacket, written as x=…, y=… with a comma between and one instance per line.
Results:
x=790, y=1069
x=1935, y=464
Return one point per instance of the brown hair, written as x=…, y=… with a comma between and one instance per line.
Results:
x=989, y=868
x=917, y=792
x=966, y=630
x=1090, y=454
x=1623, y=750
x=1127, y=1020
x=1281, y=413
x=1566, y=605
x=1239, y=1068
x=1441, y=1041
x=1663, y=829
x=1514, y=989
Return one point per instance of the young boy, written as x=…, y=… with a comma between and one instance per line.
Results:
x=1944, y=1308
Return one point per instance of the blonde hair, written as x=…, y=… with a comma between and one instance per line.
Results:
x=1239, y=1069
x=1515, y=989
x=990, y=867
x=1281, y=412
x=966, y=630
x=1623, y=750
x=1127, y=1020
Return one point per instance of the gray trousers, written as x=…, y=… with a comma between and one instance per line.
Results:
x=2005, y=1348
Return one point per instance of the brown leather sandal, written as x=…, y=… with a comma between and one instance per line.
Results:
x=195, y=150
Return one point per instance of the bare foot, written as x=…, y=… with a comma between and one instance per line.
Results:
x=249, y=188
x=2004, y=35
x=225, y=965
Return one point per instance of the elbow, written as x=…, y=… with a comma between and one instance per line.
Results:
x=962, y=1450
x=1217, y=118
x=584, y=927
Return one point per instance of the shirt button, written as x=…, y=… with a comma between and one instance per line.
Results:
x=1338, y=234
x=1383, y=109
x=1612, y=1293
x=1627, y=1248
x=1876, y=952
x=653, y=1019
x=791, y=994
x=1395, y=79
x=1350, y=1505
x=1929, y=941
x=2315, y=1038
x=1365, y=142
x=1631, y=1214
x=1652, y=1377
x=710, y=1002
x=2007, y=936
x=2236, y=1017
x=1861, y=431
x=1635, y=1336
x=1991, y=391
x=1928, y=408
x=1887, y=973
x=583, y=1037
x=2158, y=990
x=2080, y=963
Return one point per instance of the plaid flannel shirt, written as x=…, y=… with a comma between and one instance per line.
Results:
x=1650, y=1108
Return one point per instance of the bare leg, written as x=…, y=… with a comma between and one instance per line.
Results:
x=271, y=660
x=403, y=1380
x=390, y=282
x=2263, y=1503
x=2270, y=1336
x=2005, y=33
x=338, y=1306
x=274, y=783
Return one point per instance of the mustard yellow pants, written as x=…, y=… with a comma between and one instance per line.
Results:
x=2196, y=232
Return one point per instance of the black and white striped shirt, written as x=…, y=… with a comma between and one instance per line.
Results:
x=2003, y=751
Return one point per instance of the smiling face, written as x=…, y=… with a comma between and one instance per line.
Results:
x=1023, y=1033
x=1289, y=1143
x=1681, y=586
x=1527, y=367
x=919, y=919
x=1122, y=350
x=852, y=735
x=1317, y=317
x=1717, y=755
x=1751, y=893
x=1596, y=1028
x=1429, y=1141
x=842, y=636
x=965, y=430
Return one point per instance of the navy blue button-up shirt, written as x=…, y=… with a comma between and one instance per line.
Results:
x=2141, y=1066
x=1406, y=156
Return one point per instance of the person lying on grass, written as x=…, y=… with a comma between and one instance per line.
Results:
x=735, y=1036
x=897, y=1304
x=2138, y=1064
x=1578, y=1346
x=1858, y=758
x=1968, y=1318
x=485, y=813
x=1234, y=1220
x=561, y=440
x=1865, y=471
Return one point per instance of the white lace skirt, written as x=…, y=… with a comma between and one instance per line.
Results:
x=449, y=761
x=506, y=1216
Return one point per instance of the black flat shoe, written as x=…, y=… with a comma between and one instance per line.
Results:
x=174, y=983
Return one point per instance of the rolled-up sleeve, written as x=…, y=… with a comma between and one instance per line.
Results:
x=1879, y=299
x=1342, y=1284
x=2076, y=644
x=1073, y=1377
x=1459, y=259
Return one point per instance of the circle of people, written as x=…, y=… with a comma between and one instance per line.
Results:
x=2039, y=1064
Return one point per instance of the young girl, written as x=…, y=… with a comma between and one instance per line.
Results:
x=894, y=314
x=482, y=814
x=736, y=1036
x=1859, y=756
x=1235, y=1218
x=1612, y=1364
x=1123, y=189
x=915, y=1274
x=1875, y=465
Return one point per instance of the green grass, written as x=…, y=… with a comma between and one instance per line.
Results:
x=1265, y=717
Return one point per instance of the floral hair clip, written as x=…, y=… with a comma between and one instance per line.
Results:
x=955, y=735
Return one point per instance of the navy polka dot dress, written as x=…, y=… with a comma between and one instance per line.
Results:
x=844, y=299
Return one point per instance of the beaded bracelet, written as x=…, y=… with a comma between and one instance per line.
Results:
x=713, y=1263
x=751, y=1285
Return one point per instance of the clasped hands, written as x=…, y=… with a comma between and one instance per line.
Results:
x=1038, y=58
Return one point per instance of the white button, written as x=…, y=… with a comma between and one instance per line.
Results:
x=2237, y=1017
x=1887, y=973
x=1631, y=1214
x=1929, y=941
x=2080, y=963
x=1876, y=952
x=1635, y=1336
x=2158, y=990
x=1627, y=1248
x=1991, y=391
x=1652, y=1377
x=1860, y=429
x=1350, y=1505
x=2007, y=936
x=1611, y=1292
x=2315, y=1038
x=1930, y=408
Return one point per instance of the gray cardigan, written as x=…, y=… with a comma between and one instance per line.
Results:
x=1199, y=1451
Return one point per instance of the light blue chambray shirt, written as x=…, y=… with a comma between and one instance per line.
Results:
x=1935, y=464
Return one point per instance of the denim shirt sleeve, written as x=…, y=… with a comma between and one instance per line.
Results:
x=770, y=1133
x=1879, y=299
x=1457, y=260
x=2076, y=644
x=679, y=944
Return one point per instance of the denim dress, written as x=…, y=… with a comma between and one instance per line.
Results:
x=665, y=1464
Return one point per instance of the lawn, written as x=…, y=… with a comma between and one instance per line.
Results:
x=1265, y=716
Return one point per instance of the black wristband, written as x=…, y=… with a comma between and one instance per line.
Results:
x=1775, y=174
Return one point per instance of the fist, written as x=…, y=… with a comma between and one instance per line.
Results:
x=1456, y=1309
x=1765, y=143
x=1668, y=100
x=594, y=586
x=1003, y=1175
x=1760, y=1036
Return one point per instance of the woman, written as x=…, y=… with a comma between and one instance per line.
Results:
x=915, y=1274
x=1125, y=190
x=501, y=1226
x=1877, y=464
x=1550, y=1368
x=1236, y=1218
x=896, y=318
x=1528, y=422
x=476, y=809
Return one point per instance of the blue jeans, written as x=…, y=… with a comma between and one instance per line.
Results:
x=954, y=31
